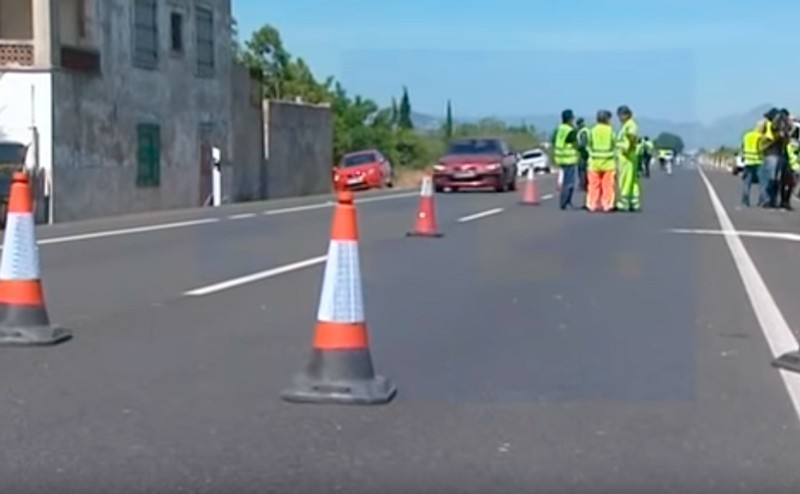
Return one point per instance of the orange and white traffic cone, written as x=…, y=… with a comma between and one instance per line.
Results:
x=426, y=213
x=340, y=369
x=530, y=196
x=23, y=317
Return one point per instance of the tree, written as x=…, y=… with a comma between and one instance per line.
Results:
x=448, y=122
x=667, y=140
x=404, y=113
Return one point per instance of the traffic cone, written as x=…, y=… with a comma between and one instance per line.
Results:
x=530, y=196
x=340, y=369
x=426, y=213
x=23, y=316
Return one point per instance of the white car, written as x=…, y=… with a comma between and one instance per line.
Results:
x=738, y=165
x=535, y=159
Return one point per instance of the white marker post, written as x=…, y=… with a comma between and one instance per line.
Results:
x=216, y=177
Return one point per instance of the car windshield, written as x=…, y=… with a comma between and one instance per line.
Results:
x=475, y=146
x=358, y=159
x=532, y=154
x=12, y=153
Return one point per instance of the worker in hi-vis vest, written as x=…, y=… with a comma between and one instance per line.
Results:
x=565, y=154
x=753, y=159
x=602, y=167
x=630, y=189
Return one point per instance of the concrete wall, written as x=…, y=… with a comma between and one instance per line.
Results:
x=95, y=116
x=248, y=180
x=299, y=148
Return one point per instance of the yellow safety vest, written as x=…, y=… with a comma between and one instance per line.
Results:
x=564, y=154
x=627, y=140
x=601, y=148
x=751, y=152
x=794, y=160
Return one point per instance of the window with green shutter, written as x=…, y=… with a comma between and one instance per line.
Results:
x=148, y=158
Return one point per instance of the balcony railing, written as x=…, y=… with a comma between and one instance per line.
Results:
x=16, y=53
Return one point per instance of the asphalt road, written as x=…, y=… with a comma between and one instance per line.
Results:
x=535, y=350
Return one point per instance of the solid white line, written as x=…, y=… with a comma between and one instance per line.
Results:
x=741, y=233
x=774, y=326
x=482, y=214
x=125, y=231
x=241, y=216
x=250, y=278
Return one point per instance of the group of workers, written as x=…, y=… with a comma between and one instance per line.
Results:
x=607, y=164
x=770, y=156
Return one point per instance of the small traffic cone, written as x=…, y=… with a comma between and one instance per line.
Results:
x=23, y=316
x=426, y=213
x=340, y=369
x=530, y=196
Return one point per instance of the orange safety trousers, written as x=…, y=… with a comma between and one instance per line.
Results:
x=601, y=190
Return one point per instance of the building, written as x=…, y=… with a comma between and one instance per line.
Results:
x=120, y=99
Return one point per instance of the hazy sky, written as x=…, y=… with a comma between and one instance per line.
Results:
x=676, y=59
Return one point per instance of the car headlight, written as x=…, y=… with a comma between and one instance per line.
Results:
x=493, y=167
x=336, y=178
x=372, y=171
x=438, y=168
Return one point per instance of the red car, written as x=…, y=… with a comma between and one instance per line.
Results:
x=363, y=170
x=476, y=164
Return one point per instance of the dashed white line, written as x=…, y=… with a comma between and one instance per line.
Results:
x=250, y=278
x=298, y=209
x=241, y=216
x=482, y=214
x=547, y=196
x=774, y=326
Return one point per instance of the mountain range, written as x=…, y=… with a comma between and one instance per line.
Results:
x=725, y=131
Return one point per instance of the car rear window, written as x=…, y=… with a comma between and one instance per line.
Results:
x=359, y=159
x=475, y=146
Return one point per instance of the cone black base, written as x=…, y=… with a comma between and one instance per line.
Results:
x=340, y=377
x=426, y=235
x=33, y=336
x=537, y=203
x=788, y=361
x=29, y=326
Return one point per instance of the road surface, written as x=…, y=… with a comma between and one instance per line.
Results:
x=535, y=350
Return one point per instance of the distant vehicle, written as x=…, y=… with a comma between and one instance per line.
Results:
x=361, y=170
x=535, y=159
x=476, y=163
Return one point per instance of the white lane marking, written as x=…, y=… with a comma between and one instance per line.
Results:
x=202, y=221
x=482, y=214
x=741, y=233
x=298, y=209
x=125, y=231
x=774, y=326
x=386, y=198
x=327, y=204
x=547, y=196
x=250, y=278
x=241, y=216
